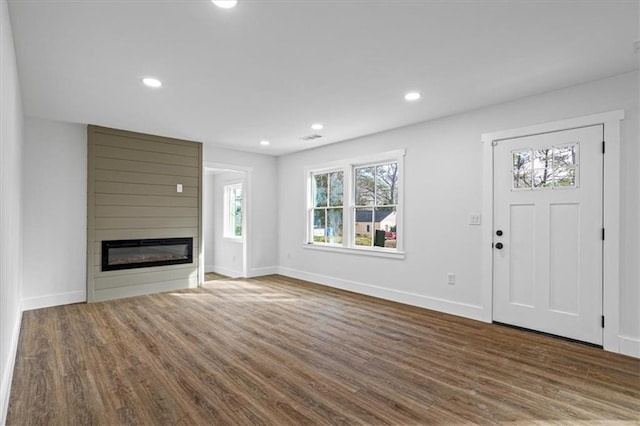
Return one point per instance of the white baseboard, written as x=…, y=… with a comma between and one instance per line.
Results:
x=225, y=271
x=419, y=300
x=7, y=374
x=629, y=346
x=54, y=300
x=260, y=272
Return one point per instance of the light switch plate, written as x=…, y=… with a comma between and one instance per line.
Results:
x=179, y=187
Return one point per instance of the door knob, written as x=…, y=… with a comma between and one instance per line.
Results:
x=499, y=232
x=499, y=246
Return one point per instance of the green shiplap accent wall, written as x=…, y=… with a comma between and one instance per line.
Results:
x=132, y=180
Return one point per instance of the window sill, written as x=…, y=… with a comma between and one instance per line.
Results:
x=357, y=251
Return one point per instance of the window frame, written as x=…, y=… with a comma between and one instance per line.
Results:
x=311, y=205
x=227, y=232
x=374, y=206
x=348, y=167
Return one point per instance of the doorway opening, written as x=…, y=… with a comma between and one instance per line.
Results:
x=225, y=225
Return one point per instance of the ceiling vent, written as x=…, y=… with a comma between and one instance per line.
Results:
x=310, y=137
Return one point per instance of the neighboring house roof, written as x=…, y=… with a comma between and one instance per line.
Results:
x=365, y=215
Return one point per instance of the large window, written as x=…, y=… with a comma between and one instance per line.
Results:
x=376, y=204
x=356, y=204
x=233, y=211
x=327, y=211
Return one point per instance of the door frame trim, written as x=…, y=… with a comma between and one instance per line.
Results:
x=611, y=213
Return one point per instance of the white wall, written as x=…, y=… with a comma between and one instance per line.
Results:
x=55, y=216
x=224, y=255
x=262, y=204
x=11, y=154
x=443, y=175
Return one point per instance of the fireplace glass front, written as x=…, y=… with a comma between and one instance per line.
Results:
x=143, y=253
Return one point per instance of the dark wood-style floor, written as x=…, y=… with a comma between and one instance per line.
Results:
x=280, y=351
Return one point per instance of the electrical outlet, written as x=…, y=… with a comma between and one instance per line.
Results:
x=451, y=278
x=474, y=218
x=179, y=187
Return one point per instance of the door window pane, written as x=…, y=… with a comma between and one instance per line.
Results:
x=553, y=167
x=565, y=155
x=565, y=177
x=565, y=161
x=521, y=159
x=542, y=158
x=521, y=179
x=542, y=178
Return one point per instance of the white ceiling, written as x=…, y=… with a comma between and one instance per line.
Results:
x=269, y=69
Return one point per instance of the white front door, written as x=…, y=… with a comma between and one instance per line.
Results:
x=547, y=256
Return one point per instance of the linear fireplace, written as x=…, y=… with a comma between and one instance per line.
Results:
x=129, y=254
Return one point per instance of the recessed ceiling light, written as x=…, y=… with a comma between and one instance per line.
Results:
x=264, y=143
x=151, y=82
x=225, y=4
x=413, y=96
x=317, y=126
